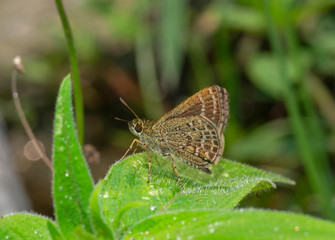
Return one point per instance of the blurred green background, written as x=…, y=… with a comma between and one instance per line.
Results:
x=275, y=58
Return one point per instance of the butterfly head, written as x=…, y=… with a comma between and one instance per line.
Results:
x=136, y=126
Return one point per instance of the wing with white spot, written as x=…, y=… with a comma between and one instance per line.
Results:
x=210, y=103
x=194, y=140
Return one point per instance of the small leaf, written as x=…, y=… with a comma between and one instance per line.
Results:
x=263, y=71
x=25, y=226
x=232, y=224
x=98, y=221
x=124, y=209
x=54, y=231
x=228, y=185
x=80, y=234
x=239, y=17
x=269, y=142
x=72, y=182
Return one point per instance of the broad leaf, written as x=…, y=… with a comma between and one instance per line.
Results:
x=263, y=71
x=232, y=224
x=72, y=182
x=98, y=222
x=126, y=183
x=269, y=142
x=25, y=226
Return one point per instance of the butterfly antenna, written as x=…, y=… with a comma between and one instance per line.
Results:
x=124, y=103
x=120, y=119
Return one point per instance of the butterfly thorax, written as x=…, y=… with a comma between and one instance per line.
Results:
x=143, y=129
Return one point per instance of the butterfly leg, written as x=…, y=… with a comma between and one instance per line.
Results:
x=149, y=164
x=135, y=148
x=175, y=172
x=131, y=146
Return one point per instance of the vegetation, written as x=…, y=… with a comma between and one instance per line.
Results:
x=276, y=60
x=125, y=206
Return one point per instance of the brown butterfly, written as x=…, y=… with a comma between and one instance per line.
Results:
x=191, y=132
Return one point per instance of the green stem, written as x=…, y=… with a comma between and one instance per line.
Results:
x=318, y=139
x=315, y=176
x=145, y=64
x=78, y=98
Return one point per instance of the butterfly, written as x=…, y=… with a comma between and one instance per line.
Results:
x=191, y=132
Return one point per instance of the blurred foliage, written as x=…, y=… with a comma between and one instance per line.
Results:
x=156, y=53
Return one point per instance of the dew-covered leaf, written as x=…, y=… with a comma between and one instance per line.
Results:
x=226, y=187
x=24, y=226
x=232, y=224
x=72, y=182
x=98, y=222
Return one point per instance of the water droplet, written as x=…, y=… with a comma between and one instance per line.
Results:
x=66, y=174
x=105, y=195
x=217, y=224
x=153, y=192
x=153, y=208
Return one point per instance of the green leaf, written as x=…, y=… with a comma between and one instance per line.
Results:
x=124, y=209
x=72, y=182
x=99, y=224
x=126, y=183
x=240, y=17
x=80, y=234
x=269, y=142
x=54, y=231
x=25, y=226
x=232, y=224
x=263, y=71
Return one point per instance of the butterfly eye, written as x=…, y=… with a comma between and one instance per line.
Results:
x=138, y=128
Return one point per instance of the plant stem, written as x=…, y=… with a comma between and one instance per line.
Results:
x=147, y=75
x=78, y=98
x=314, y=172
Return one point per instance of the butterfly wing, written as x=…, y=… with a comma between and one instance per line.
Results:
x=193, y=131
x=194, y=140
x=210, y=103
